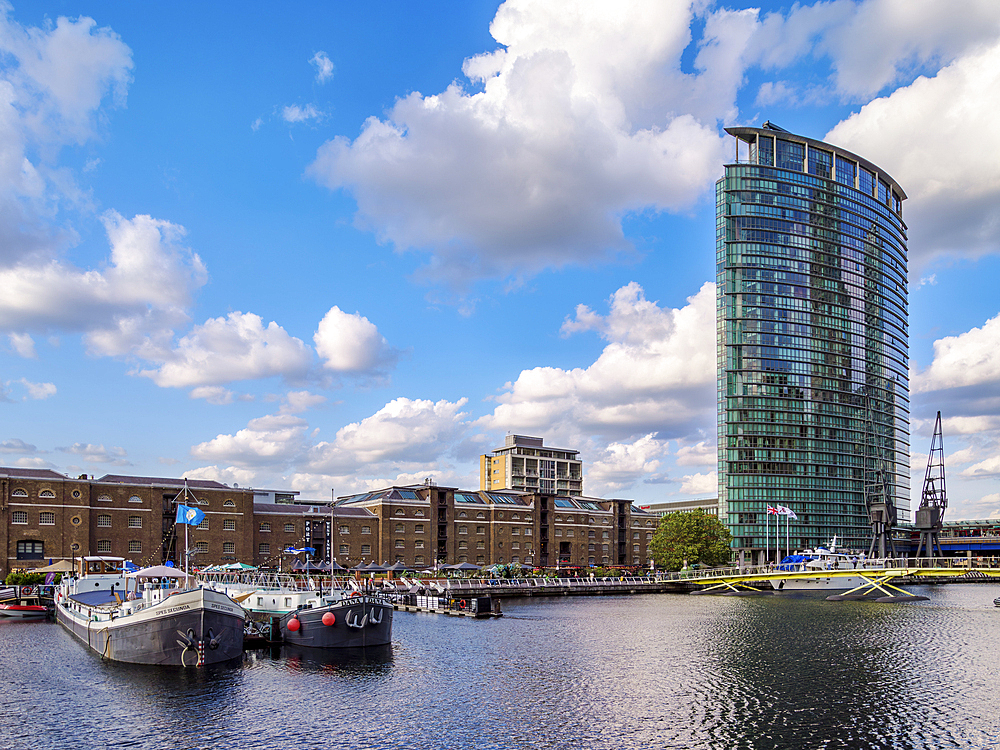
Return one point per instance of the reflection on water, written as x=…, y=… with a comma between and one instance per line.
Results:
x=668, y=671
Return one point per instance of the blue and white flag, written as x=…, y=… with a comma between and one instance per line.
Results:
x=190, y=516
x=294, y=551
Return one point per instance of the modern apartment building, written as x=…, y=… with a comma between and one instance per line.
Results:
x=526, y=465
x=813, y=391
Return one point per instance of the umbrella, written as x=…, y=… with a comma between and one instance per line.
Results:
x=309, y=566
x=336, y=567
x=238, y=566
x=60, y=566
x=158, y=571
x=374, y=567
x=398, y=567
x=463, y=566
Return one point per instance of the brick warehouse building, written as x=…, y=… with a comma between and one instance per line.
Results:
x=48, y=516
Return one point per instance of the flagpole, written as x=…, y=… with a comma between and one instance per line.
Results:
x=187, y=557
x=767, y=534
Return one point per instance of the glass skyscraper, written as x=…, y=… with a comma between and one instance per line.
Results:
x=813, y=399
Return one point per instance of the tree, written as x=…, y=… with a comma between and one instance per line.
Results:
x=694, y=537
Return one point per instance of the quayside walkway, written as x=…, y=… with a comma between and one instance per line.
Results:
x=875, y=579
x=878, y=579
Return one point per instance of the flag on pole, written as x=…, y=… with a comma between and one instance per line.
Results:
x=784, y=510
x=772, y=511
x=190, y=516
x=294, y=551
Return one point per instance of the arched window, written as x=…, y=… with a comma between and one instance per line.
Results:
x=48, y=494
x=229, y=504
x=400, y=512
x=135, y=499
x=19, y=493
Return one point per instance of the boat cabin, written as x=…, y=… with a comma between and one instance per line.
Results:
x=95, y=565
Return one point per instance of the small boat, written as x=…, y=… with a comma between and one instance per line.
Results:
x=342, y=619
x=304, y=615
x=996, y=602
x=818, y=561
x=22, y=603
x=151, y=616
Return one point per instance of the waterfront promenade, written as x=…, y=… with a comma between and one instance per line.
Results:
x=905, y=570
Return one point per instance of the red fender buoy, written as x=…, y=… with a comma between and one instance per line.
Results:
x=294, y=624
x=329, y=618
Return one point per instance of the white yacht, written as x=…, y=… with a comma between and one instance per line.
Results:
x=819, y=561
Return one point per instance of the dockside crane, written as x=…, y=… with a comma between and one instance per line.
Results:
x=933, y=499
x=878, y=489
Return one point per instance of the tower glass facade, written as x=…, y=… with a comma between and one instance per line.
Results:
x=813, y=400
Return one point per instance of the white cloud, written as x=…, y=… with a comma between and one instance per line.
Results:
x=145, y=289
x=352, y=344
x=875, y=43
x=300, y=401
x=213, y=394
x=295, y=113
x=16, y=445
x=656, y=375
x=269, y=441
x=98, y=454
x=24, y=345
x=39, y=391
x=929, y=137
x=989, y=467
x=700, y=484
x=324, y=67
x=224, y=350
x=703, y=453
x=405, y=434
x=52, y=84
x=582, y=117
x=623, y=464
x=231, y=475
x=969, y=359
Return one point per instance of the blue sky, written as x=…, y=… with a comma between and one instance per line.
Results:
x=326, y=246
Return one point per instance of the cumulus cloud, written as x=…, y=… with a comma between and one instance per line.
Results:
x=38, y=391
x=269, y=441
x=700, y=484
x=968, y=359
x=351, y=344
x=324, y=67
x=406, y=434
x=98, y=454
x=145, y=289
x=702, y=453
x=621, y=465
x=989, y=467
x=231, y=475
x=300, y=401
x=656, y=375
x=929, y=137
x=581, y=116
x=224, y=350
x=24, y=345
x=875, y=43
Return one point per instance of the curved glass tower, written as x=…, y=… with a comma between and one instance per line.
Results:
x=813, y=401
